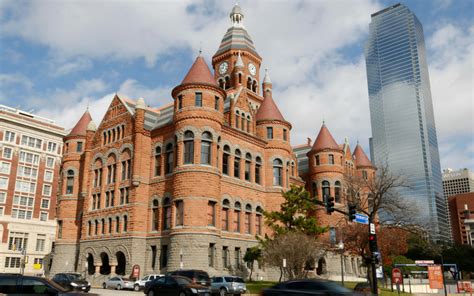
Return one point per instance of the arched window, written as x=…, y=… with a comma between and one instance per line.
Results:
x=258, y=166
x=167, y=213
x=243, y=122
x=179, y=210
x=110, y=225
x=248, y=160
x=104, y=138
x=248, y=214
x=225, y=160
x=103, y=226
x=258, y=220
x=109, y=136
x=221, y=83
x=70, y=182
x=117, y=224
x=89, y=228
x=206, y=141
x=227, y=82
x=237, y=209
x=155, y=216
x=158, y=161
x=96, y=230
x=125, y=223
x=225, y=215
x=240, y=77
x=325, y=187
x=317, y=159
x=237, y=163
x=249, y=83
x=254, y=86
x=277, y=172
x=237, y=116
x=188, y=147
x=113, y=135
x=169, y=158
x=248, y=124
x=337, y=191
x=314, y=189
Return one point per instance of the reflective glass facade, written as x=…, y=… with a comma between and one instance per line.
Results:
x=403, y=127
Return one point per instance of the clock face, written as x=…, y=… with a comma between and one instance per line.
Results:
x=252, y=69
x=223, y=67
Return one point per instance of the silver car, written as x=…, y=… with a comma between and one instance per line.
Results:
x=118, y=283
x=224, y=285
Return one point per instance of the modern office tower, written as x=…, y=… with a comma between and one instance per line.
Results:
x=457, y=182
x=401, y=111
x=30, y=158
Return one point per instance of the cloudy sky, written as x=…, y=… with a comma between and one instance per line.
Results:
x=58, y=56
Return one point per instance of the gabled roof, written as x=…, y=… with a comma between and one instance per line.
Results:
x=81, y=126
x=199, y=73
x=360, y=158
x=324, y=140
x=268, y=109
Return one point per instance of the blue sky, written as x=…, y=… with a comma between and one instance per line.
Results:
x=58, y=56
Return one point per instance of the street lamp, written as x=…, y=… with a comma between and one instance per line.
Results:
x=340, y=246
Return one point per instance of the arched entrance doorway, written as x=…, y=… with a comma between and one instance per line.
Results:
x=105, y=268
x=321, y=267
x=121, y=263
x=90, y=264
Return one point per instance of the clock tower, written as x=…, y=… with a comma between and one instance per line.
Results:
x=236, y=63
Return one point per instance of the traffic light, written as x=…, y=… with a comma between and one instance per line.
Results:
x=352, y=212
x=329, y=205
x=373, y=243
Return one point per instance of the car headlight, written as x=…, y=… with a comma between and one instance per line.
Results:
x=194, y=290
x=74, y=284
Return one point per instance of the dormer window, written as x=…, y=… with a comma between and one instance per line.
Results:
x=198, y=99
x=331, y=159
x=317, y=159
x=216, y=103
x=180, y=102
x=285, y=135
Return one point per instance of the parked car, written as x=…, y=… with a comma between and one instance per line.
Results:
x=140, y=284
x=118, y=283
x=17, y=285
x=196, y=276
x=306, y=287
x=175, y=286
x=223, y=285
x=72, y=281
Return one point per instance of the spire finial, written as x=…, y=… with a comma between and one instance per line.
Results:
x=200, y=49
x=87, y=106
x=236, y=16
x=266, y=79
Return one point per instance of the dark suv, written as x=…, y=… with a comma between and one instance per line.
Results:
x=196, y=276
x=72, y=281
x=11, y=284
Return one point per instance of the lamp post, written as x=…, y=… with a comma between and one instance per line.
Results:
x=340, y=246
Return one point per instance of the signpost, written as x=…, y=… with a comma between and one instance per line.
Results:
x=361, y=218
x=397, y=278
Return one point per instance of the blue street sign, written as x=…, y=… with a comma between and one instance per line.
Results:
x=362, y=219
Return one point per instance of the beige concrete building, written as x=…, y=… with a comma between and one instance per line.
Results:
x=30, y=156
x=457, y=182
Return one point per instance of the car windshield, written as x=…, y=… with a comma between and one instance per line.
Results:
x=74, y=277
x=182, y=280
x=234, y=279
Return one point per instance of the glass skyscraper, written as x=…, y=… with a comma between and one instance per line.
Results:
x=401, y=111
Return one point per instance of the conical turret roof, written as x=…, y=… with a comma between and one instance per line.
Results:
x=268, y=109
x=199, y=73
x=81, y=126
x=324, y=140
x=361, y=159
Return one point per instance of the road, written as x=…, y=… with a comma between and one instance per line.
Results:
x=110, y=292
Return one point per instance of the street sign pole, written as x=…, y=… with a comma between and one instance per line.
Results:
x=375, y=290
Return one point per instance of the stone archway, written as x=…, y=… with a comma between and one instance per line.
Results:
x=90, y=264
x=322, y=268
x=121, y=263
x=105, y=267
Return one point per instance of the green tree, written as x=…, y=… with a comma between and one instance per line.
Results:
x=462, y=255
x=402, y=260
x=251, y=255
x=296, y=214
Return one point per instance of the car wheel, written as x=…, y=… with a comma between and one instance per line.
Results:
x=119, y=287
x=222, y=292
x=104, y=285
x=151, y=293
x=136, y=288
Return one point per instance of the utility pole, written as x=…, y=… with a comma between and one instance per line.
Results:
x=341, y=247
x=373, y=249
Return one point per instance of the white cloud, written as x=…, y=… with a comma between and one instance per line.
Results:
x=155, y=97
x=61, y=68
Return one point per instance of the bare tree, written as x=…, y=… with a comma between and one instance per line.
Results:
x=296, y=249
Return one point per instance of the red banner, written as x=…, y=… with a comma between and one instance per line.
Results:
x=435, y=275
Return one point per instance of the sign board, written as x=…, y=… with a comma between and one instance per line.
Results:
x=424, y=262
x=372, y=228
x=435, y=275
x=397, y=276
x=135, y=271
x=379, y=272
x=361, y=218
x=464, y=286
x=37, y=266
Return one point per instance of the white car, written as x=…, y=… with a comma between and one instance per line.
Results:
x=140, y=284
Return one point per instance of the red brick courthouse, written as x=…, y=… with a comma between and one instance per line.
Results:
x=185, y=185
